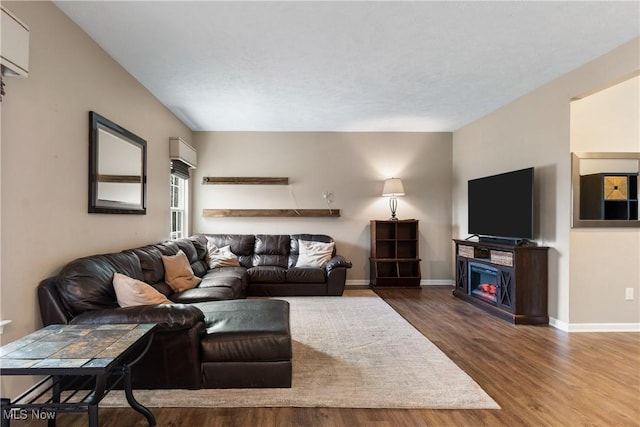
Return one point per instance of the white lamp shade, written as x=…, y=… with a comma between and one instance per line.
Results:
x=393, y=187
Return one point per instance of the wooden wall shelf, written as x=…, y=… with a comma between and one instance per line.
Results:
x=237, y=180
x=120, y=179
x=222, y=213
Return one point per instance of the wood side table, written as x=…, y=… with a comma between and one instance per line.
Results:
x=82, y=364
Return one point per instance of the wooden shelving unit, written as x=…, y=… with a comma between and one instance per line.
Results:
x=395, y=260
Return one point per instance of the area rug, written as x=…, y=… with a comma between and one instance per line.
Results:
x=353, y=351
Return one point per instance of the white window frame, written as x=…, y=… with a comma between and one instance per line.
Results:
x=178, y=228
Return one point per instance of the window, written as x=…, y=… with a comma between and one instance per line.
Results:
x=178, y=207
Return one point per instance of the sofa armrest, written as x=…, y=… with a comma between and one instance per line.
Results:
x=338, y=261
x=168, y=317
x=52, y=310
x=337, y=274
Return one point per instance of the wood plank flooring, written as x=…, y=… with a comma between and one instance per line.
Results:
x=540, y=376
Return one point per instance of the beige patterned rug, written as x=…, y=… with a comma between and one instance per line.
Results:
x=353, y=351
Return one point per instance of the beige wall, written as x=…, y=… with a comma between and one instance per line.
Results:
x=608, y=120
x=352, y=166
x=45, y=162
x=534, y=130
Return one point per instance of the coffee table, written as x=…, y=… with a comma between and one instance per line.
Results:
x=82, y=363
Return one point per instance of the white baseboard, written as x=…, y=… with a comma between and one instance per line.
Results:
x=358, y=284
x=594, y=327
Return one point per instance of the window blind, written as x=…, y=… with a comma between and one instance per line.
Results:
x=179, y=169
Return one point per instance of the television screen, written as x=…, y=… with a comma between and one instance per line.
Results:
x=502, y=205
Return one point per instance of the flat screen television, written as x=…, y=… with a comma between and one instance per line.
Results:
x=501, y=205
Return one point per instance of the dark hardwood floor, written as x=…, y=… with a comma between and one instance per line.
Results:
x=540, y=376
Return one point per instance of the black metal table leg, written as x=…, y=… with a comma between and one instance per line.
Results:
x=133, y=402
x=94, y=401
x=55, y=398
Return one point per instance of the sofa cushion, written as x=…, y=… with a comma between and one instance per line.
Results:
x=186, y=246
x=151, y=262
x=230, y=277
x=271, y=250
x=246, y=331
x=178, y=273
x=200, y=268
x=87, y=283
x=314, y=254
x=306, y=275
x=163, y=288
x=267, y=274
x=168, y=248
x=200, y=244
x=241, y=245
x=216, y=293
x=294, y=245
x=132, y=292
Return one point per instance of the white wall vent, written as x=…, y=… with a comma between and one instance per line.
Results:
x=180, y=150
x=14, y=47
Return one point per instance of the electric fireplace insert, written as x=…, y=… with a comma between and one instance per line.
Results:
x=483, y=282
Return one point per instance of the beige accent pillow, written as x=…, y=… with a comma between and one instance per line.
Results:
x=221, y=257
x=178, y=273
x=314, y=254
x=131, y=292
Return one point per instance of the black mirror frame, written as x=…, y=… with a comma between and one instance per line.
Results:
x=96, y=120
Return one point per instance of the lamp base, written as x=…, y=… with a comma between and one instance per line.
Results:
x=393, y=205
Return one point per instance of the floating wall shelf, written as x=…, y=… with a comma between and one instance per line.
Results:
x=221, y=213
x=122, y=179
x=236, y=180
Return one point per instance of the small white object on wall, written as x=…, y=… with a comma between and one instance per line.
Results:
x=14, y=50
x=180, y=150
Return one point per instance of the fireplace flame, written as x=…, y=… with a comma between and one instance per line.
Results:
x=489, y=288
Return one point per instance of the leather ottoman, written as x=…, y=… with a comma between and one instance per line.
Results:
x=247, y=344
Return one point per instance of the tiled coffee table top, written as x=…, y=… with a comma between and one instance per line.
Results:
x=71, y=346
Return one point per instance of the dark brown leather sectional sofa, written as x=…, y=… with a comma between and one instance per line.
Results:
x=212, y=337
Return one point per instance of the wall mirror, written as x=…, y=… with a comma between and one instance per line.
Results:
x=117, y=168
x=605, y=189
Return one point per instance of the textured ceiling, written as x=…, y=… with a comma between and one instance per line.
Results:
x=348, y=66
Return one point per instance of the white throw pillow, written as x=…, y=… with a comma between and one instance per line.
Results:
x=221, y=257
x=314, y=254
x=131, y=292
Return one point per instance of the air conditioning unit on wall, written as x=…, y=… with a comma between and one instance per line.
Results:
x=180, y=150
x=14, y=48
